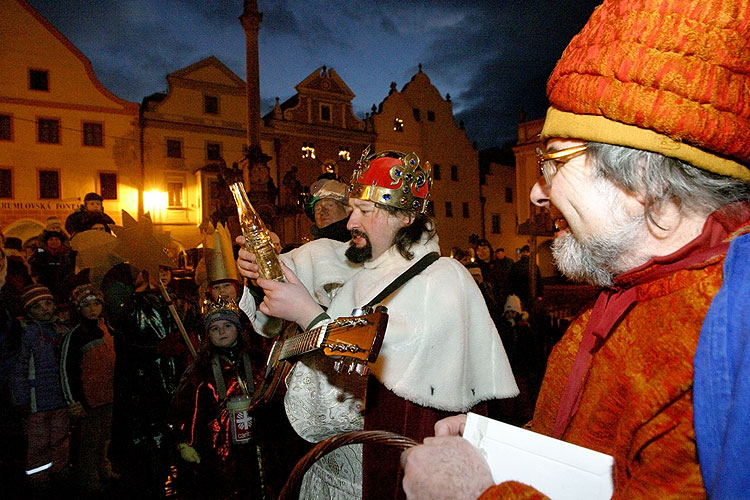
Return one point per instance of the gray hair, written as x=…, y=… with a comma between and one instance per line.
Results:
x=661, y=179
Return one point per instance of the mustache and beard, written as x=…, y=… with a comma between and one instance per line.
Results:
x=598, y=259
x=356, y=254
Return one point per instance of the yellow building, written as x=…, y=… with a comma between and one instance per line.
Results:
x=418, y=119
x=62, y=134
x=198, y=125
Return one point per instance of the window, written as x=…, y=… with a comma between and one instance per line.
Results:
x=308, y=150
x=49, y=185
x=48, y=131
x=448, y=209
x=508, y=195
x=431, y=116
x=436, y=172
x=93, y=134
x=6, y=183
x=454, y=172
x=344, y=154
x=325, y=113
x=416, y=113
x=213, y=151
x=174, y=194
x=430, y=209
x=174, y=148
x=495, y=223
x=465, y=209
x=108, y=185
x=398, y=125
x=210, y=105
x=38, y=79
x=6, y=128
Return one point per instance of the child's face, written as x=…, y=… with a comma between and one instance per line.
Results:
x=222, y=333
x=226, y=290
x=91, y=309
x=42, y=310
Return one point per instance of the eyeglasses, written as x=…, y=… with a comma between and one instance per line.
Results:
x=548, y=162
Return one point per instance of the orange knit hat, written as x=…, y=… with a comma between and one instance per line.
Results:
x=669, y=76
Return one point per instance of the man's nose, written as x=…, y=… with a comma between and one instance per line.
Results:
x=540, y=193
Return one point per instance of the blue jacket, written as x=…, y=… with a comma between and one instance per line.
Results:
x=722, y=382
x=36, y=376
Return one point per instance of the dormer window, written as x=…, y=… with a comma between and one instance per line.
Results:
x=398, y=125
x=210, y=105
x=39, y=79
x=325, y=113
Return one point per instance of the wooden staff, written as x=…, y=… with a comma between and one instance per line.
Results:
x=177, y=319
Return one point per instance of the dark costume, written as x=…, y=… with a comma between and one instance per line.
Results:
x=199, y=417
x=146, y=375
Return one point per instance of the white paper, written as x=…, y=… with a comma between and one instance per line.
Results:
x=560, y=470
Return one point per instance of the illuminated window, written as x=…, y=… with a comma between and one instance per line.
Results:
x=174, y=148
x=398, y=125
x=210, y=105
x=108, y=185
x=93, y=134
x=6, y=128
x=325, y=113
x=213, y=151
x=344, y=154
x=308, y=150
x=6, y=183
x=49, y=185
x=48, y=131
x=38, y=79
x=174, y=194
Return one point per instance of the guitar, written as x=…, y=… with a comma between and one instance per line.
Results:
x=353, y=342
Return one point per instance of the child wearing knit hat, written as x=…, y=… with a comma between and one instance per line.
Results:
x=37, y=390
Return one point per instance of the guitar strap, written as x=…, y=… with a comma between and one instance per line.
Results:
x=415, y=269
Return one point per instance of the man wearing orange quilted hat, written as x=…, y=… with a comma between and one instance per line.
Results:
x=441, y=352
x=645, y=170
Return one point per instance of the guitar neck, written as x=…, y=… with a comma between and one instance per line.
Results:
x=303, y=343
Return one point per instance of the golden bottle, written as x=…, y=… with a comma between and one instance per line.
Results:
x=257, y=237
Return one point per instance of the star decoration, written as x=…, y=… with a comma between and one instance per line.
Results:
x=139, y=246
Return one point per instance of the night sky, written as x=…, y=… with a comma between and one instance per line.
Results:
x=492, y=56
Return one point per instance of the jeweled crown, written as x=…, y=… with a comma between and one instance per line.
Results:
x=392, y=178
x=219, y=306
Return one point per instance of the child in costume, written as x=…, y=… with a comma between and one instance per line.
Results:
x=213, y=465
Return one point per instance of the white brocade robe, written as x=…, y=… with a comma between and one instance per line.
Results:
x=441, y=350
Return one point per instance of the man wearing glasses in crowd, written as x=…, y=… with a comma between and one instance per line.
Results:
x=645, y=173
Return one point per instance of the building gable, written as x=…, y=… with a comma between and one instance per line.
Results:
x=30, y=42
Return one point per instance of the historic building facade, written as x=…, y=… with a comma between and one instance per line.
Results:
x=418, y=119
x=62, y=134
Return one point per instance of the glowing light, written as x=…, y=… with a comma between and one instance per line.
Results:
x=344, y=154
x=398, y=125
x=308, y=151
x=155, y=202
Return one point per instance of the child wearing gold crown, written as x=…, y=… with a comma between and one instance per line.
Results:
x=215, y=464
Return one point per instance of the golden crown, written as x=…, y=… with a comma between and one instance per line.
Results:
x=392, y=178
x=219, y=306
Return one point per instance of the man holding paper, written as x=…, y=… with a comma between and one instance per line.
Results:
x=645, y=172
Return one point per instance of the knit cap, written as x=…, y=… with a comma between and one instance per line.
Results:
x=221, y=309
x=33, y=294
x=668, y=76
x=85, y=293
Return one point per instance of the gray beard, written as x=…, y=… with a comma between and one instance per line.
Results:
x=599, y=259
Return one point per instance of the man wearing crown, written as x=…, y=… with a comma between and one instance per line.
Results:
x=441, y=351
